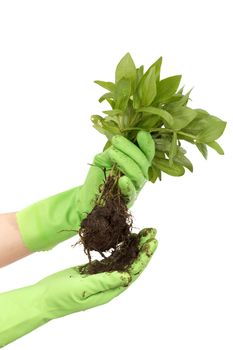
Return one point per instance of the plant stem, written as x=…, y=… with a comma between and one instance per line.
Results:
x=129, y=129
x=115, y=173
x=164, y=130
x=193, y=137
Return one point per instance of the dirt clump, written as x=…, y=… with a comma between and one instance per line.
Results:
x=107, y=229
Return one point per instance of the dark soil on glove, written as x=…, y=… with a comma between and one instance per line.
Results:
x=107, y=229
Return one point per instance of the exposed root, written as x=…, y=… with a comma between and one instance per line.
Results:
x=108, y=229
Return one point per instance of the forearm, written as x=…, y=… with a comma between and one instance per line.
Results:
x=40, y=226
x=20, y=313
x=12, y=247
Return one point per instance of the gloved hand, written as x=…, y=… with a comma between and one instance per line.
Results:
x=66, y=292
x=55, y=219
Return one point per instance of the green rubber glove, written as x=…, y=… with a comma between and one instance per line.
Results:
x=66, y=292
x=55, y=219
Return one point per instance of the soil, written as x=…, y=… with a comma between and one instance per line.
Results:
x=107, y=229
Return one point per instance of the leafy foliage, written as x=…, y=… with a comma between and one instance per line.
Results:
x=141, y=101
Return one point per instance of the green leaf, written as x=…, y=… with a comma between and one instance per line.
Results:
x=173, y=149
x=174, y=170
x=111, y=128
x=187, y=137
x=148, y=121
x=181, y=159
x=166, y=116
x=99, y=126
x=180, y=91
x=106, y=96
x=139, y=73
x=201, y=111
x=163, y=144
x=111, y=102
x=97, y=119
x=107, y=145
x=130, y=112
x=136, y=100
x=147, y=87
x=113, y=112
x=126, y=69
x=106, y=85
x=122, y=93
x=182, y=101
x=216, y=147
x=182, y=116
x=170, y=102
x=206, y=127
x=157, y=65
x=114, y=118
x=160, y=154
x=137, y=95
x=181, y=150
x=154, y=173
x=213, y=131
x=167, y=87
x=203, y=149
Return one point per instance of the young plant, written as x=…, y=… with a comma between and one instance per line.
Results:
x=143, y=101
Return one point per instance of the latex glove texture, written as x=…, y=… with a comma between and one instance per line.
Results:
x=50, y=221
x=66, y=292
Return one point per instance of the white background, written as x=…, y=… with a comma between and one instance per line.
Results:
x=50, y=53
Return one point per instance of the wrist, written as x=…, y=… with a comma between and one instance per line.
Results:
x=12, y=247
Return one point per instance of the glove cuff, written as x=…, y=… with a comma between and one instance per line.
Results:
x=21, y=312
x=41, y=224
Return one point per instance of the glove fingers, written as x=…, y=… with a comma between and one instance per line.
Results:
x=127, y=167
x=146, y=235
x=132, y=151
x=104, y=281
x=104, y=297
x=143, y=258
x=146, y=143
x=102, y=160
x=127, y=188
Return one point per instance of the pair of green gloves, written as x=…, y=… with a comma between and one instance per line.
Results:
x=47, y=223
